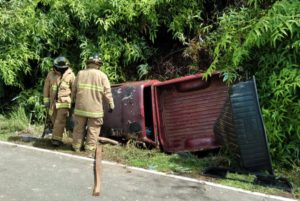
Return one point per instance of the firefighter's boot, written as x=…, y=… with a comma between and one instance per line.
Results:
x=56, y=143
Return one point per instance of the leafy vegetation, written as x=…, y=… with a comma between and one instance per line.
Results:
x=33, y=32
x=265, y=43
x=144, y=39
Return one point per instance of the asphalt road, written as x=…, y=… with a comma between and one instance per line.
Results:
x=29, y=174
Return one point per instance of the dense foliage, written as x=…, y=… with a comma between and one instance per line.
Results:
x=265, y=43
x=240, y=38
x=34, y=31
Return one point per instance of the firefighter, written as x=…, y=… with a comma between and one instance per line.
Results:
x=90, y=89
x=57, y=96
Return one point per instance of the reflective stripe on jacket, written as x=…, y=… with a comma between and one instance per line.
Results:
x=90, y=87
x=60, y=88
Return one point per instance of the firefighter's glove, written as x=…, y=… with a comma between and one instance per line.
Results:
x=110, y=110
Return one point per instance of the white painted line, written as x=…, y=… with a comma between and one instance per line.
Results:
x=151, y=171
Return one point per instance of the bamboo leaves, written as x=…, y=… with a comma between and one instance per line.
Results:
x=265, y=42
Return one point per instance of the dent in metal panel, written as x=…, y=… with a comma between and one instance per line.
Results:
x=128, y=118
x=125, y=118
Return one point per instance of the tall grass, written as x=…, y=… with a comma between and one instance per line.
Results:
x=17, y=120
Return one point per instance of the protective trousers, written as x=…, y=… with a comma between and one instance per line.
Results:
x=59, y=120
x=89, y=126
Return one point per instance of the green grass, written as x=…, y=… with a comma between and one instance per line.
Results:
x=155, y=160
x=15, y=124
x=12, y=124
x=16, y=121
x=13, y=127
x=246, y=182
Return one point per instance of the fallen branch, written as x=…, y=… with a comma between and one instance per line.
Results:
x=97, y=171
x=107, y=140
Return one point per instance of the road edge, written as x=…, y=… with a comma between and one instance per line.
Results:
x=150, y=171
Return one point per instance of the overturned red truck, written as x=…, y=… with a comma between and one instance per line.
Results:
x=177, y=115
x=191, y=114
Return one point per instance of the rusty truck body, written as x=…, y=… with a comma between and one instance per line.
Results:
x=177, y=115
x=190, y=114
